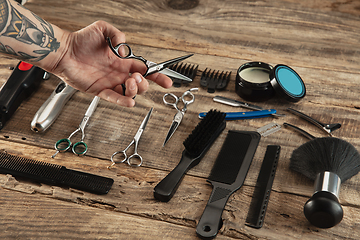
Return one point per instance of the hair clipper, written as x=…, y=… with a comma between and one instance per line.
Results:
x=24, y=80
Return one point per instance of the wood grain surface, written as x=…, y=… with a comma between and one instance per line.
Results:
x=318, y=39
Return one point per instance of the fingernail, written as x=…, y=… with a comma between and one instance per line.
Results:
x=138, y=79
x=132, y=86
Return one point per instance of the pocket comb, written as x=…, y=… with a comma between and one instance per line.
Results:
x=53, y=174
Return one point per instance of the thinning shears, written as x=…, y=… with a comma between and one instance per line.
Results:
x=134, y=160
x=124, y=51
x=180, y=113
x=79, y=148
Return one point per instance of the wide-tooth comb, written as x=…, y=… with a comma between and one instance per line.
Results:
x=53, y=174
x=227, y=175
x=196, y=145
x=214, y=80
x=188, y=70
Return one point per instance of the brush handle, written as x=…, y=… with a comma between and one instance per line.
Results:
x=165, y=189
x=210, y=221
x=323, y=210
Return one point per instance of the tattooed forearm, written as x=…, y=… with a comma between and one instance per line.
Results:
x=19, y=26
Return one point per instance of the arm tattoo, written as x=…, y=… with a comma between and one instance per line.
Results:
x=15, y=25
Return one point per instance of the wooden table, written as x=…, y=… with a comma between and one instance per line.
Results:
x=319, y=39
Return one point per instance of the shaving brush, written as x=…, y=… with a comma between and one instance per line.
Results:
x=329, y=161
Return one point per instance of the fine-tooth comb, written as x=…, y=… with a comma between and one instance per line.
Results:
x=188, y=70
x=214, y=80
x=261, y=195
x=53, y=174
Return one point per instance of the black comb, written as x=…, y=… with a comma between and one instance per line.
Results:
x=53, y=174
x=196, y=145
x=188, y=70
x=227, y=175
x=214, y=80
x=261, y=195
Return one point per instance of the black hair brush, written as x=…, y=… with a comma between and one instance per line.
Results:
x=329, y=161
x=196, y=145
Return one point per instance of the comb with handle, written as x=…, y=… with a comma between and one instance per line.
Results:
x=227, y=175
x=53, y=174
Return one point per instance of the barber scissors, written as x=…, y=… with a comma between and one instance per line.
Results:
x=134, y=160
x=180, y=113
x=79, y=148
x=124, y=51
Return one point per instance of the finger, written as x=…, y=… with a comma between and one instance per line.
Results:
x=161, y=79
x=114, y=97
x=131, y=87
x=142, y=83
x=110, y=31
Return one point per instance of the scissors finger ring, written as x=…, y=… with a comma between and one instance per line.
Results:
x=80, y=148
x=116, y=153
x=135, y=160
x=174, y=100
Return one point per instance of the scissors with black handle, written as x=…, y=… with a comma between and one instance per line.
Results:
x=172, y=100
x=124, y=51
x=134, y=160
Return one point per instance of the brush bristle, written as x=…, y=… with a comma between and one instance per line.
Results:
x=205, y=132
x=326, y=154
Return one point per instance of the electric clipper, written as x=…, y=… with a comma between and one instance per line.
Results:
x=24, y=80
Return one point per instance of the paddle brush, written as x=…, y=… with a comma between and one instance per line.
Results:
x=196, y=145
x=329, y=161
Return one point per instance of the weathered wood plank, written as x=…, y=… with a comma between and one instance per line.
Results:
x=132, y=194
x=323, y=36
x=35, y=217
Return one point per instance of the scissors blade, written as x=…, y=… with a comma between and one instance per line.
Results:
x=146, y=119
x=176, y=122
x=160, y=66
x=141, y=128
x=92, y=107
x=89, y=112
x=171, y=73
